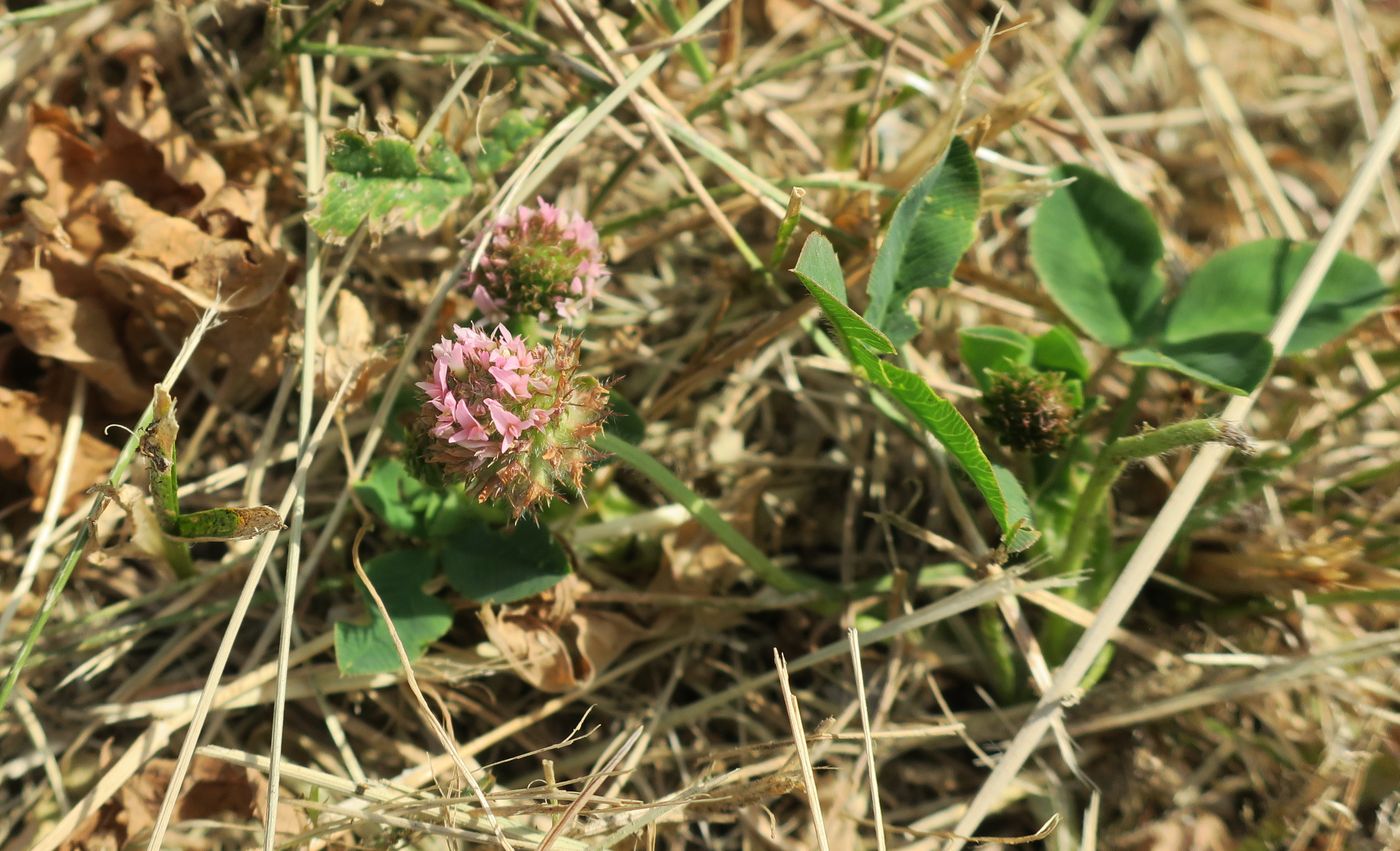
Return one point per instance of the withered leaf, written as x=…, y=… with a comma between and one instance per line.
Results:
x=175, y=255
x=30, y=434
x=553, y=645
x=352, y=349
x=139, y=107
x=77, y=331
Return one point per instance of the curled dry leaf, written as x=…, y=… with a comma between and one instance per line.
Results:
x=143, y=538
x=353, y=348
x=215, y=791
x=135, y=233
x=553, y=645
x=30, y=434
x=696, y=563
x=177, y=256
x=45, y=222
x=76, y=330
x=142, y=123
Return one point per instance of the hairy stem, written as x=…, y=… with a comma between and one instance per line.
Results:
x=1115, y=458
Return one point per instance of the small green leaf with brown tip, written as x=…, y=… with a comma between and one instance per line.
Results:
x=226, y=524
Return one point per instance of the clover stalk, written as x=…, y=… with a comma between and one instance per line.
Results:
x=1115, y=459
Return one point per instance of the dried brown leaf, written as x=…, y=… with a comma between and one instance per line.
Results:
x=554, y=646
x=135, y=235
x=30, y=434
x=353, y=348
x=176, y=256
x=214, y=791
x=75, y=330
x=139, y=108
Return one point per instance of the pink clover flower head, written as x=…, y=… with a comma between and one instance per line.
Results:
x=542, y=261
x=509, y=419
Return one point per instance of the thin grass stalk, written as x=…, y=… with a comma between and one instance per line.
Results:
x=315, y=173
x=872, y=775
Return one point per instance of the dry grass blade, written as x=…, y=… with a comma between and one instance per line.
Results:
x=869, y=742
x=594, y=784
x=1046, y=830
x=310, y=320
x=804, y=756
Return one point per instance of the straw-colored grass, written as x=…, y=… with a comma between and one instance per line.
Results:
x=1251, y=703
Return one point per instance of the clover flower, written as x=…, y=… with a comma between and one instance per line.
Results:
x=509, y=419
x=542, y=261
x=1030, y=411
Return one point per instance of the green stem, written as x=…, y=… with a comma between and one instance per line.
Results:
x=704, y=514
x=690, y=50
x=999, y=651
x=1110, y=464
x=786, y=228
x=434, y=57
x=314, y=20
x=48, y=10
x=158, y=445
x=1092, y=24
x=1128, y=407
x=505, y=23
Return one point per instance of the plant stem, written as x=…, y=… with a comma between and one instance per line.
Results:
x=1115, y=458
x=786, y=228
x=705, y=514
x=1092, y=25
x=1124, y=413
x=48, y=10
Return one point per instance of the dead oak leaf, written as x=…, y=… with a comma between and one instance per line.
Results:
x=74, y=330
x=352, y=349
x=176, y=256
x=30, y=434
x=214, y=791
x=70, y=167
x=139, y=108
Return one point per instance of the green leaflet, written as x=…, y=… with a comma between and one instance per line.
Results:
x=992, y=348
x=419, y=619
x=503, y=565
x=864, y=344
x=1242, y=290
x=382, y=181
x=1096, y=249
x=930, y=230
